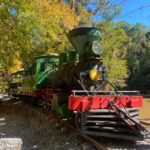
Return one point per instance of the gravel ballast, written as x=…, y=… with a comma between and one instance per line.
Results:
x=26, y=127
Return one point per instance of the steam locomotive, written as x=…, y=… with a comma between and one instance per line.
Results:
x=70, y=84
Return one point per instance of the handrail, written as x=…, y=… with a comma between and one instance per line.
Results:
x=76, y=92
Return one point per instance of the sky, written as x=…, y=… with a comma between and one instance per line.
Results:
x=133, y=12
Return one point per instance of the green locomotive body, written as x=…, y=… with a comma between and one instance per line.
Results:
x=35, y=76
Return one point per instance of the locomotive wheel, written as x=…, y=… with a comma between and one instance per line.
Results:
x=48, y=106
x=39, y=102
x=32, y=100
x=44, y=105
x=78, y=120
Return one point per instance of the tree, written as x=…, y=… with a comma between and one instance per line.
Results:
x=102, y=8
x=138, y=58
x=45, y=24
x=115, y=42
x=32, y=28
x=80, y=9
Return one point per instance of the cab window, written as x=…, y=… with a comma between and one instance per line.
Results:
x=42, y=66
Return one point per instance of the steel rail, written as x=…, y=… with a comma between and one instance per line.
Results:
x=144, y=122
x=89, y=139
x=147, y=125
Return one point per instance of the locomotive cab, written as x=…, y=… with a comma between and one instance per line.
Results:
x=45, y=66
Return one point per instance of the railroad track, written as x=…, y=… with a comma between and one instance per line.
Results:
x=146, y=124
x=105, y=143
x=108, y=145
x=142, y=145
x=145, y=145
x=90, y=140
x=95, y=143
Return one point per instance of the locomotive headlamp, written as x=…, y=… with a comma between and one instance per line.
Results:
x=97, y=48
x=95, y=74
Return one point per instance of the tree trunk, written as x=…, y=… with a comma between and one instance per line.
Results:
x=73, y=5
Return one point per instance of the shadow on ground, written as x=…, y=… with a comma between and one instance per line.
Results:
x=37, y=130
x=41, y=131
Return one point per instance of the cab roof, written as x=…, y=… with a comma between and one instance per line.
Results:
x=49, y=55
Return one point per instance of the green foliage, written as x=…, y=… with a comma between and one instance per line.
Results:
x=115, y=43
x=106, y=9
x=80, y=9
x=37, y=27
x=31, y=28
x=138, y=58
x=102, y=8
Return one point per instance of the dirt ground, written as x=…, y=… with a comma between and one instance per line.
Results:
x=28, y=128
x=145, y=110
x=32, y=129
